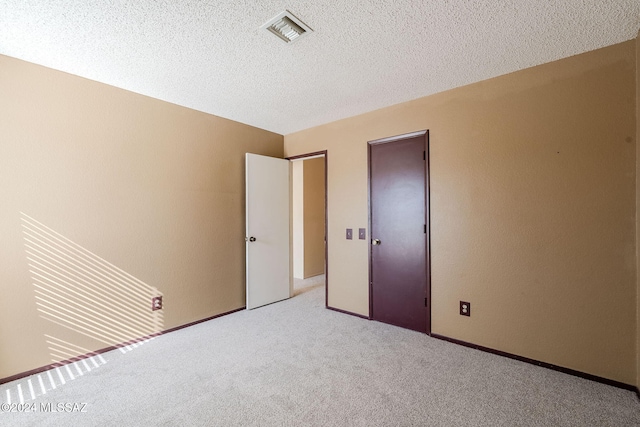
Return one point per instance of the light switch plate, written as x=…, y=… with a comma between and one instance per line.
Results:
x=362, y=233
x=349, y=234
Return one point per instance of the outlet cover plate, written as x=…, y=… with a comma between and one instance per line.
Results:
x=349, y=234
x=362, y=233
x=156, y=303
x=465, y=308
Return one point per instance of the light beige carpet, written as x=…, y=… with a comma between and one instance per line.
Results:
x=294, y=363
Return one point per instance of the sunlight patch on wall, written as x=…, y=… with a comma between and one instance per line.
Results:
x=86, y=295
x=80, y=291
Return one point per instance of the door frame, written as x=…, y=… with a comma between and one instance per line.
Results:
x=326, y=217
x=427, y=218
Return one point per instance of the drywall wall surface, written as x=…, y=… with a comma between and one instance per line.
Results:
x=532, y=209
x=314, y=196
x=108, y=199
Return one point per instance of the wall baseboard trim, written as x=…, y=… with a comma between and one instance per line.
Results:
x=348, y=312
x=542, y=364
x=113, y=347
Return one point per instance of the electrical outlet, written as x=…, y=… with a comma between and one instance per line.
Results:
x=156, y=303
x=465, y=308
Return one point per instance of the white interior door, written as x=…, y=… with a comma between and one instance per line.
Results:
x=267, y=230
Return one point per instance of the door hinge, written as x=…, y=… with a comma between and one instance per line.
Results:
x=424, y=155
x=425, y=229
x=425, y=302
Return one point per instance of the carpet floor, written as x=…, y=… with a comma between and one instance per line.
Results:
x=295, y=363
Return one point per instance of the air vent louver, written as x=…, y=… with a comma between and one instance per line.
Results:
x=287, y=27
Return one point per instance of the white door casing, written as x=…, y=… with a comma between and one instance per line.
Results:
x=267, y=221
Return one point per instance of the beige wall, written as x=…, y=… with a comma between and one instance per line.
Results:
x=313, y=217
x=154, y=189
x=532, y=209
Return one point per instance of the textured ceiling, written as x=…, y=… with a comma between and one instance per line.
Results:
x=210, y=55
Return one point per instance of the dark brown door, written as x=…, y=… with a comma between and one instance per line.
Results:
x=399, y=231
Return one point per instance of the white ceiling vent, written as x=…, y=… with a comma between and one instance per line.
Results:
x=287, y=27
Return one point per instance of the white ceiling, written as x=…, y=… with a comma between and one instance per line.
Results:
x=211, y=55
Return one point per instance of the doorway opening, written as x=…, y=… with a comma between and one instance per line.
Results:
x=309, y=222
